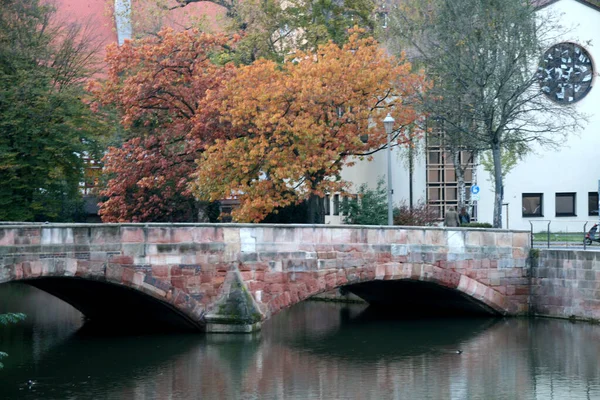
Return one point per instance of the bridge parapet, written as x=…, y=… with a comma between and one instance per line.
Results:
x=229, y=277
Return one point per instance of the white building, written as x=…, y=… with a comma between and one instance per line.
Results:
x=563, y=183
x=558, y=187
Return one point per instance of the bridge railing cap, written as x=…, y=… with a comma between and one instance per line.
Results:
x=12, y=225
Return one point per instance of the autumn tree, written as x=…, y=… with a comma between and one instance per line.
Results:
x=301, y=124
x=270, y=29
x=482, y=56
x=159, y=84
x=46, y=126
x=273, y=28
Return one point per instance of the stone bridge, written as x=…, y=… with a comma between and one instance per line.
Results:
x=233, y=277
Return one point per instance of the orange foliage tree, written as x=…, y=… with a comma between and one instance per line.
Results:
x=158, y=85
x=301, y=124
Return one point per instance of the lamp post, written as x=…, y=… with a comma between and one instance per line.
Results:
x=388, y=123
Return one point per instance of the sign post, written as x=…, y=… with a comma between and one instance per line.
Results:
x=476, y=196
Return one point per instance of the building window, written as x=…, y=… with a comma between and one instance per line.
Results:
x=327, y=207
x=593, y=203
x=383, y=19
x=336, y=204
x=442, y=182
x=533, y=204
x=565, y=205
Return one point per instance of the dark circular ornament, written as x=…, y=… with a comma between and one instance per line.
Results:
x=566, y=73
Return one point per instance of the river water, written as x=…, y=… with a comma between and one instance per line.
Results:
x=314, y=350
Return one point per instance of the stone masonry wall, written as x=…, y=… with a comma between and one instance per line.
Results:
x=269, y=267
x=566, y=284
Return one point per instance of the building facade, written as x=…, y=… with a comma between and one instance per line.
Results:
x=549, y=186
x=560, y=186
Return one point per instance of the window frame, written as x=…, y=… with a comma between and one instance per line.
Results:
x=573, y=196
x=590, y=212
x=336, y=204
x=541, y=212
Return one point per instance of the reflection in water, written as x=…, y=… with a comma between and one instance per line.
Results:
x=315, y=350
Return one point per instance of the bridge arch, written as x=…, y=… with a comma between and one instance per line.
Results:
x=111, y=293
x=357, y=280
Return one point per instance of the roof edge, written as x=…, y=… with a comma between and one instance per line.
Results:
x=595, y=4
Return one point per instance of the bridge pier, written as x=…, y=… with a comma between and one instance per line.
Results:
x=236, y=311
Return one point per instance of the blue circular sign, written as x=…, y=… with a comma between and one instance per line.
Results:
x=475, y=189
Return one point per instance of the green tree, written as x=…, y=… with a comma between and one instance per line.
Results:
x=482, y=56
x=273, y=29
x=369, y=207
x=270, y=29
x=46, y=127
x=9, y=318
x=509, y=156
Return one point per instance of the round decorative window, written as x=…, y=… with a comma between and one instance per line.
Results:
x=565, y=73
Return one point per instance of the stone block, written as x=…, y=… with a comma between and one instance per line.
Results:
x=207, y=234
x=319, y=247
x=415, y=236
x=127, y=276
x=505, y=263
x=134, y=250
x=341, y=235
x=274, y=277
x=114, y=273
x=400, y=249
x=132, y=235
x=285, y=235
x=435, y=238
x=182, y=235
x=161, y=271
x=521, y=240
x=474, y=238
x=7, y=237
x=350, y=247
x=156, y=234
x=488, y=238
x=57, y=236
x=247, y=275
x=248, y=257
x=376, y=236
x=153, y=290
x=308, y=235
x=121, y=259
x=503, y=239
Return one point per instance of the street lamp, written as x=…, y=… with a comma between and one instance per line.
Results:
x=388, y=123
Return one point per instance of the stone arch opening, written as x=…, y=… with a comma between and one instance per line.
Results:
x=409, y=297
x=113, y=307
x=428, y=287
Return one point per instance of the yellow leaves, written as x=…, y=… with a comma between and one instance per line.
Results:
x=297, y=124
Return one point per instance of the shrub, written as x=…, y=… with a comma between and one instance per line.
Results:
x=421, y=215
x=368, y=208
x=476, y=225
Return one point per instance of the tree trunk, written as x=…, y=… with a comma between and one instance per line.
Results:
x=498, y=185
x=460, y=179
x=411, y=168
x=315, y=213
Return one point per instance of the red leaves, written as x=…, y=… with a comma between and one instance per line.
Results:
x=270, y=135
x=158, y=84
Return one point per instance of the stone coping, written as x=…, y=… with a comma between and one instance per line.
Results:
x=12, y=225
